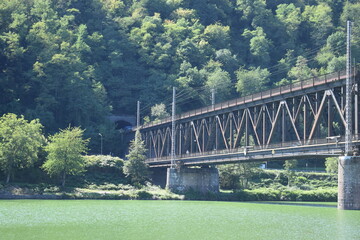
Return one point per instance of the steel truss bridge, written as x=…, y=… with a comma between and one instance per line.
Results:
x=299, y=120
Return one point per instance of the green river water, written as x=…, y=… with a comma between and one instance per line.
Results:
x=107, y=219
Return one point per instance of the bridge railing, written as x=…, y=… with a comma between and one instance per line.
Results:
x=272, y=148
x=292, y=87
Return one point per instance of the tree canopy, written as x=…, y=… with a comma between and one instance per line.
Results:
x=65, y=153
x=78, y=61
x=20, y=143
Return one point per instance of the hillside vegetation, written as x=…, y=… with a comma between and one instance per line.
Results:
x=77, y=61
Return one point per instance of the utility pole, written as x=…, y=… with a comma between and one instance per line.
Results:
x=348, y=115
x=138, y=115
x=173, y=130
x=213, y=98
x=101, y=143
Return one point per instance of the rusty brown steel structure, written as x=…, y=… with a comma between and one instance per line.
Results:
x=295, y=118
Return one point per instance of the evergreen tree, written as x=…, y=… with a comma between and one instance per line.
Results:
x=135, y=166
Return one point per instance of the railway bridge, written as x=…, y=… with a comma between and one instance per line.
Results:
x=303, y=119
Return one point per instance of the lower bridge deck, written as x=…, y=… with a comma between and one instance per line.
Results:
x=284, y=151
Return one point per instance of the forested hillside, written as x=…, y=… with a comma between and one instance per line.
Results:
x=77, y=61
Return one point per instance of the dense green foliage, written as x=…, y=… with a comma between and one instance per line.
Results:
x=65, y=153
x=20, y=143
x=266, y=194
x=101, y=169
x=77, y=61
x=237, y=176
x=232, y=178
x=135, y=166
x=103, y=162
x=331, y=164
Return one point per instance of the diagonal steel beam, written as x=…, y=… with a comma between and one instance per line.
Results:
x=318, y=114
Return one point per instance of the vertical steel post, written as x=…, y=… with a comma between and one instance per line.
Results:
x=216, y=133
x=264, y=127
x=180, y=141
x=283, y=124
x=173, y=130
x=231, y=131
x=191, y=137
x=203, y=136
x=305, y=116
x=316, y=112
x=356, y=104
x=329, y=117
x=246, y=129
x=348, y=108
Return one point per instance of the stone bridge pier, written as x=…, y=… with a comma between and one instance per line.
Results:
x=349, y=183
x=204, y=179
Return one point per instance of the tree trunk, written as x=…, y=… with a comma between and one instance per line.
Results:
x=8, y=178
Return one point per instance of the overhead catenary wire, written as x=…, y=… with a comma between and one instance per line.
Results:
x=308, y=60
x=182, y=96
x=304, y=54
x=186, y=95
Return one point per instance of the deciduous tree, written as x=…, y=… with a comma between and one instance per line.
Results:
x=252, y=80
x=331, y=164
x=20, y=142
x=65, y=153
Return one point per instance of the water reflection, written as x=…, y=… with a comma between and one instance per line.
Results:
x=348, y=222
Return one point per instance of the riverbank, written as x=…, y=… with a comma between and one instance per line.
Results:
x=263, y=185
x=151, y=192
x=107, y=191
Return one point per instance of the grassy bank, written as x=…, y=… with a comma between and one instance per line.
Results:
x=106, y=191
x=150, y=192
x=105, y=180
x=267, y=194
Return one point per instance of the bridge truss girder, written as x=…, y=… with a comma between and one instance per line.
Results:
x=299, y=118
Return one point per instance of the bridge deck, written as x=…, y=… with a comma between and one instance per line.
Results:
x=289, y=150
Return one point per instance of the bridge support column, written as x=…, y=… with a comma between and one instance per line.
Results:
x=198, y=179
x=349, y=183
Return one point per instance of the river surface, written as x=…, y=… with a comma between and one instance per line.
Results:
x=108, y=219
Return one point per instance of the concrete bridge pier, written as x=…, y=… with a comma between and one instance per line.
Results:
x=205, y=179
x=349, y=183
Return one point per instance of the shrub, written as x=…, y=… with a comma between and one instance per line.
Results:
x=144, y=195
x=104, y=163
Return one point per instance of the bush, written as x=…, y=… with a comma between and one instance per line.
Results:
x=104, y=163
x=262, y=194
x=265, y=194
x=144, y=195
x=323, y=195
